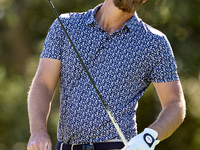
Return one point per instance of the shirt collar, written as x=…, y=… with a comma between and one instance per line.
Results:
x=91, y=18
x=132, y=24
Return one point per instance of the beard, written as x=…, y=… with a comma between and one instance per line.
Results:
x=129, y=6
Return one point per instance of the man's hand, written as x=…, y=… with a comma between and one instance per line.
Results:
x=39, y=140
x=143, y=141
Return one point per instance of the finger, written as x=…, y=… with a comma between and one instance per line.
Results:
x=124, y=148
x=33, y=146
x=135, y=147
x=131, y=142
x=49, y=146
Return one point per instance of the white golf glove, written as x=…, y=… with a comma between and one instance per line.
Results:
x=144, y=141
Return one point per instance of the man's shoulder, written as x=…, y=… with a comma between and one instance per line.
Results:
x=154, y=35
x=75, y=17
x=153, y=31
x=144, y=29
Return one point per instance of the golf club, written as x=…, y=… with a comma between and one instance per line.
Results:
x=87, y=72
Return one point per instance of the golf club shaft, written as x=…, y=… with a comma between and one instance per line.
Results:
x=92, y=81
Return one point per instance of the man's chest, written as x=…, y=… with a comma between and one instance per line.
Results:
x=114, y=59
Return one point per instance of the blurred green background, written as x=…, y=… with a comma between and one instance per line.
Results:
x=23, y=27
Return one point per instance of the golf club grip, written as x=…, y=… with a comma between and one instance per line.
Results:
x=92, y=81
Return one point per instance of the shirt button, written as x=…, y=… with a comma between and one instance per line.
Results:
x=107, y=38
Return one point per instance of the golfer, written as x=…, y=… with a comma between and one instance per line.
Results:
x=124, y=56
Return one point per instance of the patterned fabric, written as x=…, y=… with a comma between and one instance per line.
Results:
x=122, y=65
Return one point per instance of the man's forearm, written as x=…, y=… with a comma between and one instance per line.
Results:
x=169, y=119
x=39, y=103
x=167, y=122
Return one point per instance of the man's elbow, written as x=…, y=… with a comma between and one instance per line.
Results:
x=181, y=108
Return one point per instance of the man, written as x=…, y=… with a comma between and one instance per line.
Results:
x=123, y=55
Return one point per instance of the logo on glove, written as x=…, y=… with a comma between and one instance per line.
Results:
x=148, y=138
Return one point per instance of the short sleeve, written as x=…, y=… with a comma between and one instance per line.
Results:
x=164, y=67
x=52, y=44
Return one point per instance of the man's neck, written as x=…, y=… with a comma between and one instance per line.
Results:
x=111, y=18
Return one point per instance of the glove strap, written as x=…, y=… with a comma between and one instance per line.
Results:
x=150, y=136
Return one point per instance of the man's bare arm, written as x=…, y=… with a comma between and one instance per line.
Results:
x=39, y=102
x=173, y=108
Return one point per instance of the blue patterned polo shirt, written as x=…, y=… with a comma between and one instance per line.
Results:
x=122, y=65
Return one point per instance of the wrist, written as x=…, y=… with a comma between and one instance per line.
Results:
x=38, y=129
x=38, y=124
x=153, y=132
x=150, y=136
